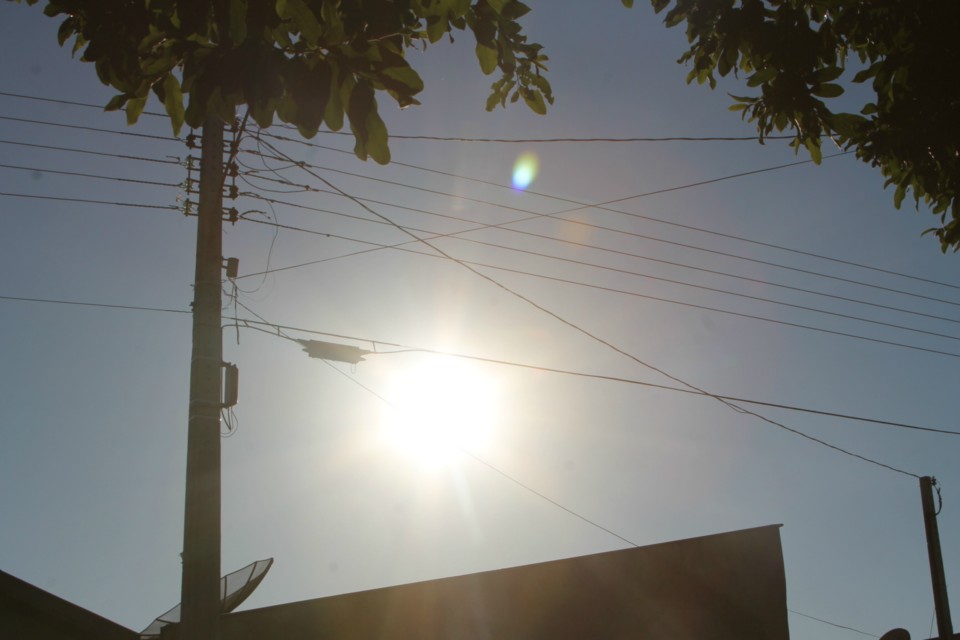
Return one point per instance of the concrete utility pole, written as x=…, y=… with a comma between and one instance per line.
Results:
x=200, y=589
x=940, y=601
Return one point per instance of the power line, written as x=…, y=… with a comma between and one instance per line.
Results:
x=613, y=347
x=525, y=486
x=174, y=161
x=717, y=290
x=547, y=140
x=403, y=348
x=135, y=205
x=692, y=389
x=459, y=235
x=694, y=268
x=94, y=304
x=554, y=216
x=97, y=129
x=652, y=218
x=90, y=175
x=623, y=213
x=833, y=624
x=71, y=103
x=652, y=277
x=724, y=311
x=614, y=290
x=480, y=460
x=461, y=138
x=580, y=204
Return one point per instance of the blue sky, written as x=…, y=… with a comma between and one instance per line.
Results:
x=93, y=400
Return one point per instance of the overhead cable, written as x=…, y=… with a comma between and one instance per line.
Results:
x=135, y=205
x=459, y=235
x=122, y=156
x=459, y=138
x=397, y=348
x=609, y=344
x=90, y=175
x=535, y=215
x=97, y=129
x=648, y=218
x=618, y=291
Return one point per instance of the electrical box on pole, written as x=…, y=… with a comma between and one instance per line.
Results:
x=232, y=267
x=231, y=385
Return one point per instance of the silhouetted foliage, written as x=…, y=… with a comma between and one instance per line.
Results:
x=798, y=53
x=307, y=62
x=310, y=62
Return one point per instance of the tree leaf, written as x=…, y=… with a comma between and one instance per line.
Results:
x=333, y=114
x=826, y=74
x=173, y=102
x=514, y=10
x=67, y=27
x=302, y=18
x=827, y=90
x=487, y=57
x=377, y=140
x=238, y=21
x=134, y=108
x=406, y=76
x=436, y=28
x=116, y=102
x=762, y=76
x=813, y=146
x=534, y=100
x=899, y=195
x=332, y=24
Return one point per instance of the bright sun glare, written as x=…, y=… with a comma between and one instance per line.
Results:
x=442, y=406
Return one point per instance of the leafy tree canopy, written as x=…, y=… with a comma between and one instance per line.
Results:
x=306, y=62
x=310, y=62
x=795, y=53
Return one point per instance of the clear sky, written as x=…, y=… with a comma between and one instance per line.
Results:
x=324, y=476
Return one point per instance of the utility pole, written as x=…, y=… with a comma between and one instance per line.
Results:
x=940, y=601
x=200, y=588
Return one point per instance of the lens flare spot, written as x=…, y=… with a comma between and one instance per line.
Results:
x=525, y=170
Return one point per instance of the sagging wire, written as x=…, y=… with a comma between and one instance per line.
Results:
x=252, y=173
x=231, y=421
x=591, y=335
x=232, y=296
x=273, y=218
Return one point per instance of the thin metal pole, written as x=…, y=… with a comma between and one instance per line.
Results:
x=200, y=589
x=940, y=600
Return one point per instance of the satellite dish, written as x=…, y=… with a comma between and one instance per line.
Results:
x=234, y=589
x=896, y=634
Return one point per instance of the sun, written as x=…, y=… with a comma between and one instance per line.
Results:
x=439, y=408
